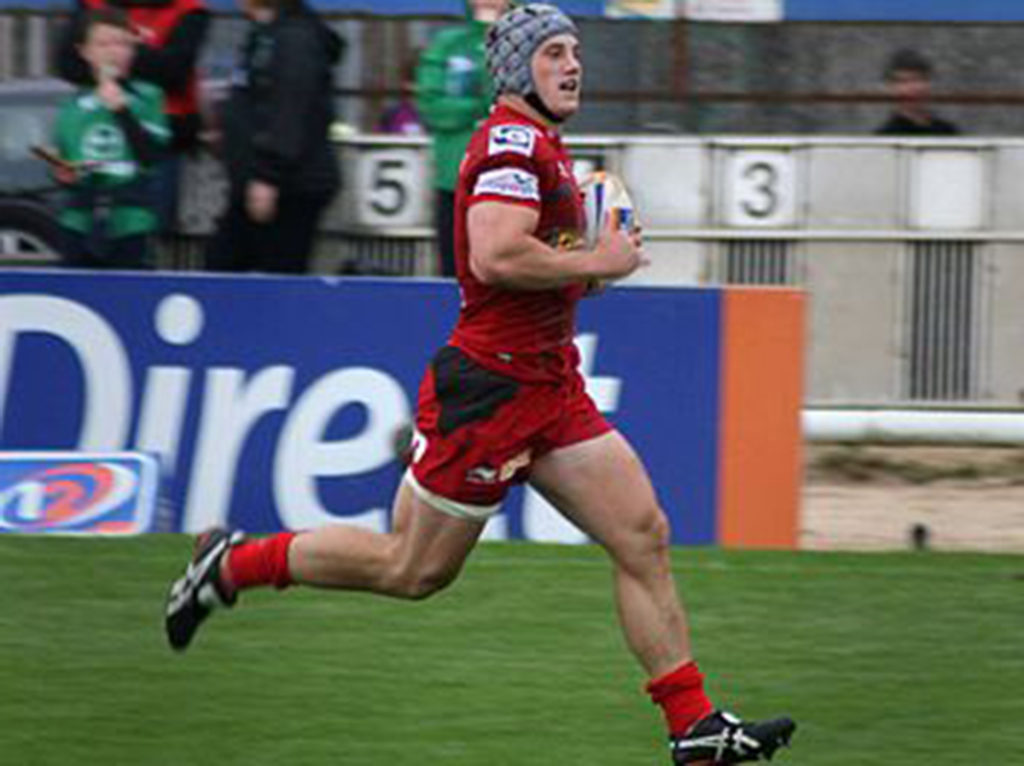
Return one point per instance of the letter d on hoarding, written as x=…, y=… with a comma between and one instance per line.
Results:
x=107, y=399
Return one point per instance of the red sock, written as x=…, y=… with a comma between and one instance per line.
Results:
x=261, y=562
x=681, y=696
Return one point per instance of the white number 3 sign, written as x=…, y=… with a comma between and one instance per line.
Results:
x=760, y=189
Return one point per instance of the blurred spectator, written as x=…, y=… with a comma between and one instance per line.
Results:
x=171, y=34
x=453, y=91
x=402, y=118
x=108, y=137
x=908, y=77
x=281, y=165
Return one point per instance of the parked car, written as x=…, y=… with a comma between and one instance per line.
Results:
x=28, y=226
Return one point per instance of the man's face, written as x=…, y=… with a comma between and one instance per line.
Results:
x=109, y=47
x=909, y=85
x=558, y=74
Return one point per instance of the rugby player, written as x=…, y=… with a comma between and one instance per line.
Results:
x=502, y=402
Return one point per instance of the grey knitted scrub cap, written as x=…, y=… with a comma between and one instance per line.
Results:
x=513, y=39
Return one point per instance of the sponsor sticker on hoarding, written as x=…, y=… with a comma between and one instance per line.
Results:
x=112, y=493
x=643, y=9
x=734, y=10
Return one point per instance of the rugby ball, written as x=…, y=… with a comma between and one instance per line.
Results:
x=605, y=196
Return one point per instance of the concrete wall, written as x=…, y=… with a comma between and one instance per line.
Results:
x=910, y=251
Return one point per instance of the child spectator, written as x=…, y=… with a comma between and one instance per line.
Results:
x=108, y=137
x=171, y=34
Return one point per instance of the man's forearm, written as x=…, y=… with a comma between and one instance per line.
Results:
x=532, y=265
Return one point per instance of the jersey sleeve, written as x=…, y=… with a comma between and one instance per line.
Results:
x=504, y=167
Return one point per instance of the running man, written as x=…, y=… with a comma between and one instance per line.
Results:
x=503, y=402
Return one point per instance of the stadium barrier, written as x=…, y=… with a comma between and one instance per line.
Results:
x=909, y=249
x=275, y=402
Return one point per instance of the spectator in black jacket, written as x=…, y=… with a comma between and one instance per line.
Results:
x=908, y=77
x=281, y=164
x=171, y=34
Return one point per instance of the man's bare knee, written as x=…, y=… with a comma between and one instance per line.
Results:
x=642, y=541
x=420, y=582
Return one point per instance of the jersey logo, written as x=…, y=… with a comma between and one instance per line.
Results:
x=565, y=239
x=508, y=182
x=103, y=142
x=511, y=138
x=482, y=474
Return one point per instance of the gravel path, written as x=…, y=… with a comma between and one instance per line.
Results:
x=879, y=509
x=966, y=518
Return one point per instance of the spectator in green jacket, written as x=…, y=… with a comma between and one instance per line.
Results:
x=453, y=93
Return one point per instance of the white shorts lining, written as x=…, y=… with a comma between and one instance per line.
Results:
x=451, y=507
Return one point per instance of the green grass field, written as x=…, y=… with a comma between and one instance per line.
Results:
x=915, y=659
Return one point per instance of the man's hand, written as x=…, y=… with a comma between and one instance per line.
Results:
x=619, y=252
x=261, y=201
x=504, y=251
x=64, y=174
x=108, y=90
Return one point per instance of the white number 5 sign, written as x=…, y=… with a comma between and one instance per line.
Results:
x=390, y=187
x=760, y=189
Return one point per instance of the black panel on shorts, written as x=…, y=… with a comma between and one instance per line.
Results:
x=466, y=391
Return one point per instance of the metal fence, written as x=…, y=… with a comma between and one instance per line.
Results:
x=756, y=262
x=663, y=76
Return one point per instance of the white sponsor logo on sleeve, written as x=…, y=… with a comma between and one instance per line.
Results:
x=508, y=182
x=511, y=138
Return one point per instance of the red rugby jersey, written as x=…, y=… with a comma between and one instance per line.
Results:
x=526, y=333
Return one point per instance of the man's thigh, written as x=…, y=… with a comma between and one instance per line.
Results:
x=429, y=538
x=600, y=485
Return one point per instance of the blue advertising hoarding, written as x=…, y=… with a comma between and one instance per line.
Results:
x=903, y=10
x=274, y=402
